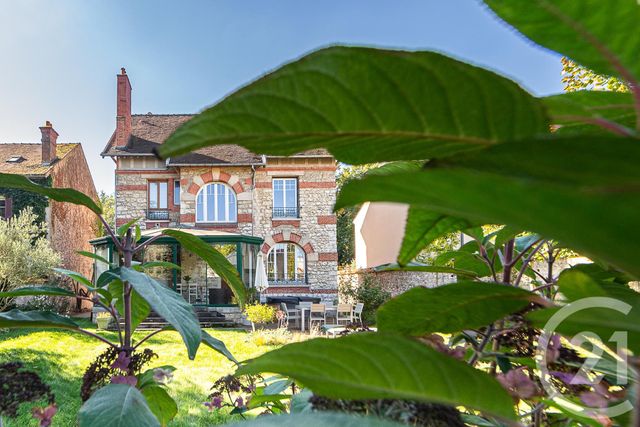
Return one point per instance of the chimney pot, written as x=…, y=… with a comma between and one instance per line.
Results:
x=49, y=143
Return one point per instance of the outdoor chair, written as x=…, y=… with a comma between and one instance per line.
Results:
x=289, y=314
x=318, y=314
x=344, y=313
x=357, y=313
x=305, y=305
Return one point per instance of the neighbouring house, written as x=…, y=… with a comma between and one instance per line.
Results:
x=49, y=163
x=244, y=203
x=379, y=230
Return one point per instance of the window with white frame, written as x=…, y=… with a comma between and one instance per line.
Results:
x=3, y=207
x=286, y=263
x=285, y=197
x=216, y=203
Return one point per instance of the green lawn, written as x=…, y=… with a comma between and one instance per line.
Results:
x=62, y=357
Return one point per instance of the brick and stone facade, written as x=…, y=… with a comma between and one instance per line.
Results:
x=249, y=176
x=49, y=163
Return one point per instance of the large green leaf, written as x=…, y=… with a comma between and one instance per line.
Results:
x=602, y=317
x=215, y=259
x=465, y=261
x=450, y=308
x=35, y=319
x=218, y=346
x=423, y=227
x=318, y=419
x=366, y=105
x=168, y=304
x=601, y=35
x=94, y=256
x=117, y=405
x=140, y=308
x=59, y=194
x=75, y=276
x=38, y=290
x=384, y=366
x=160, y=403
x=586, y=105
x=427, y=269
x=579, y=191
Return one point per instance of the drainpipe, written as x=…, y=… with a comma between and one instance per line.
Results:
x=253, y=188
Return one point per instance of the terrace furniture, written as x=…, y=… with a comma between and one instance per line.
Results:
x=344, y=313
x=318, y=314
x=289, y=314
x=357, y=313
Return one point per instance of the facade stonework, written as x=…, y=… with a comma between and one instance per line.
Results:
x=314, y=230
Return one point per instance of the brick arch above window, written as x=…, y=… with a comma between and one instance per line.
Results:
x=287, y=237
x=198, y=181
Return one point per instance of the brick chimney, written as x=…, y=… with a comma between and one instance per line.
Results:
x=123, y=110
x=49, y=143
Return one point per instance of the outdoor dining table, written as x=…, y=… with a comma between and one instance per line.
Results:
x=303, y=310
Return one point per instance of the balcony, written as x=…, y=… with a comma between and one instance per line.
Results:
x=286, y=212
x=158, y=215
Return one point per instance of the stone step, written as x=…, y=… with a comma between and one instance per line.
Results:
x=207, y=319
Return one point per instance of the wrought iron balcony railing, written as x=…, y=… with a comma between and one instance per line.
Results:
x=157, y=215
x=286, y=212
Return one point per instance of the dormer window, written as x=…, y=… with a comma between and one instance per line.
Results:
x=16, y=159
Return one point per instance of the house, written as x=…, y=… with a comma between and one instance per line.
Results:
x=379, y=229
x=378, y=233
x=70, y=227
x=244, y=203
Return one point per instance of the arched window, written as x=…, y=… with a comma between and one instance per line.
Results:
x=216, y=203
x=286, y=263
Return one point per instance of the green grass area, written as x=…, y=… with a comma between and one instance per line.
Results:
x=61, y=358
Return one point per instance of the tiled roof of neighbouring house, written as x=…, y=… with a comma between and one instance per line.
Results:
x=150, y=130
x=29, y=158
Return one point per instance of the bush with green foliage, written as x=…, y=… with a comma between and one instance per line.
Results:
x=26, y=255
x=466, y=147
x=369, y=292
x=260, y=314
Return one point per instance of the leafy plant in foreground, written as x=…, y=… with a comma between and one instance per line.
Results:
x=116, y=389
x=471, y=148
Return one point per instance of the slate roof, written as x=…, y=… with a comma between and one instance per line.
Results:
x=150, y=130
x=32, y=153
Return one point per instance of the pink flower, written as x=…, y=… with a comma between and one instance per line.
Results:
x=437, y=343
x=518, y=384
x=216, y=402
x=124, y=379
x=594, y=399
x=45, y=415
x=122, y=362
x=571, y=379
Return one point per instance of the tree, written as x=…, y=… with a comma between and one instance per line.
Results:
x=108, y=202
x=26, y=255
x=576, y=77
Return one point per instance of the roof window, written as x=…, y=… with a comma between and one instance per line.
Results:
x=16, y=159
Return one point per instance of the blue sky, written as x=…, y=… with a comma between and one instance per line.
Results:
x=60, y=58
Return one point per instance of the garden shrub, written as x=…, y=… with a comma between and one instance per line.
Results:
x=260, y=314
x=369, y=292
x=26, y=255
